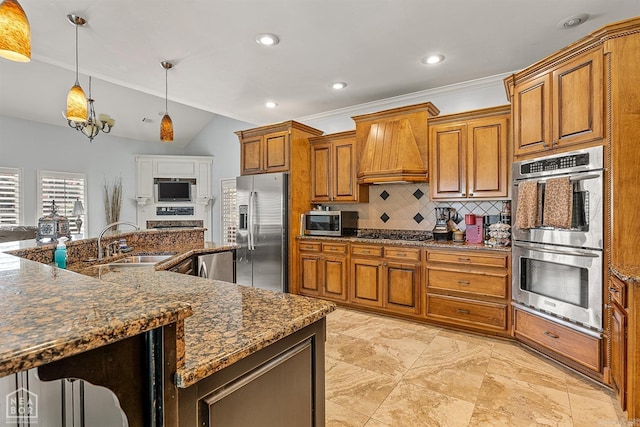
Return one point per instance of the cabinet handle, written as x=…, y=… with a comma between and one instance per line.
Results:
x=464, y=259
x=551, y=335
x=470, y=194
x=400, y=254
x=462, y=311
x=463, y=282
x=614, y=290
x=545, y=145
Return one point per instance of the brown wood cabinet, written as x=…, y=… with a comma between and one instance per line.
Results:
x=324, y=269
x=470, y=288
x=468, y=154
x=386, y=277
x=558, y=102
x=334, y=169
x=184, y=267
x=618, y=339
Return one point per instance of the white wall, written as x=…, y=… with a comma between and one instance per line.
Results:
x=217, y=139
x=32, y=146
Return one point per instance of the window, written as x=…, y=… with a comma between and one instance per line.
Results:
x=229, y=212
x=65, y=188
x=10, y=196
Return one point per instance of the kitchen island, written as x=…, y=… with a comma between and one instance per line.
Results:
x=210, y=335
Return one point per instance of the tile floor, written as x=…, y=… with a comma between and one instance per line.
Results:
x=385, y=372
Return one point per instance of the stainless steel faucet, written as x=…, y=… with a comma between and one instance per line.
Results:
x=113, y=224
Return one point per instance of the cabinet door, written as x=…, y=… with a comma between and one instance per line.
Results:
x=310, y=280
x=402, y=287
x=344, y=172
x=251, y=155
x=276, y=152
x=335, y=278
x=204, y=180
x=532, y=116
x=618, y=352
x=144, y=178
x=487, y=157
x=320, y=173
x=366, y=282
x=578, y=100
x=448, y=154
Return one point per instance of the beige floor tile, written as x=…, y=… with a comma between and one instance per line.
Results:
x=376, y=423
x=510, y=360
x=356, y=388
x=483, y=417
x=378, y=357
x=523, y=400
x=339, y=416
x=588, y=412
x=455, y=368
x=411, y=405
x=480, y=340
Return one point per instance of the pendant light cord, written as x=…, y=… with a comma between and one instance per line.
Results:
x=77, y=82
x=166, y=91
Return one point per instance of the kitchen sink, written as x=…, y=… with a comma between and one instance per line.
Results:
x=141, y=260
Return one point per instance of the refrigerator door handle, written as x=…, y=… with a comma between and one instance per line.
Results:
x=251, y=222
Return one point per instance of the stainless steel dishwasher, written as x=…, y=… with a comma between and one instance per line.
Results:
x=217, y=266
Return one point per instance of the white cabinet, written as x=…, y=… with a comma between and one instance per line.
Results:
x=144, y=180
x=203, y=180
x=149, y=168
x=175, y=167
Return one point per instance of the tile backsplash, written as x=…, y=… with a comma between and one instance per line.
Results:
x=408, y=207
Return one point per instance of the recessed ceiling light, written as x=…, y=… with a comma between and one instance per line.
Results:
x=270, y=104
x=573, y=21
x=433, y=59
x=267, y=39
x=338, y=85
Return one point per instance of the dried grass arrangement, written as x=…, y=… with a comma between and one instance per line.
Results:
x=112, y=200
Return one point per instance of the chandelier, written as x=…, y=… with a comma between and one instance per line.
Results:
x=93, y=125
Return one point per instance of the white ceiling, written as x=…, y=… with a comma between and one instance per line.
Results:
x=373, y=45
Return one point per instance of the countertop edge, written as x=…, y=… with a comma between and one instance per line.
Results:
x=629, y=274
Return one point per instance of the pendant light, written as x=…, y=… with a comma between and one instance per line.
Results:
x=76, y=99
x=166, y=125
x=15, y=33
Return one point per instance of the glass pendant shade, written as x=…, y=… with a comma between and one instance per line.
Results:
x=166, y=129
x=15, y=34
x=76, y=104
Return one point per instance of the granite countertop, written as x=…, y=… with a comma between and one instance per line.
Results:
x=49, y=314
x=439, y=244
x=629, y=274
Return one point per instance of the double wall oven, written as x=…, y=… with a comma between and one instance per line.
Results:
x=558, y=272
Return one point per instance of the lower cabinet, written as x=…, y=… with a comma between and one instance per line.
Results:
x=324, y=269
x=184, y=267
x=618, y=338
x=469, y=288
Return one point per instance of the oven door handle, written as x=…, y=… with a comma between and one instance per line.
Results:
x=556, y=251
x=572, y=178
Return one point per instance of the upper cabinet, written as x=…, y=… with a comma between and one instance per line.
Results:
x=270, y=148
x=468, y=154
x=334, y=169
x=558, y=103
x=392, y=144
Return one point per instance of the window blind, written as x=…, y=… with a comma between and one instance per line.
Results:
x=65, y=188
x=10, y=196
x=229, y=212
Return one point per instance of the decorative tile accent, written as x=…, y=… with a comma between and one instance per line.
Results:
x=418, y=194
x=418, y=218
x=384, y=217
x=384, y=195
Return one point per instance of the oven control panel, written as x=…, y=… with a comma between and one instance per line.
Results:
x=556, y=163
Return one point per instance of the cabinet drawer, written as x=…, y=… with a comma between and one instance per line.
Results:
x=581, y=348
x=479, y=259
x=412, y=254
x=495, y=285
x=334, y=248
x=618, y=291
x=462, y=311
x=363, y=250
x=310, y=246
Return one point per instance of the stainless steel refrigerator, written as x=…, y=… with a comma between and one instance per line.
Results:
x=261, y=260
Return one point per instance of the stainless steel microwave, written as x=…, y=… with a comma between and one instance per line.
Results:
x=330, y=223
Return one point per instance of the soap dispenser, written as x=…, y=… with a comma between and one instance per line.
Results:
x=60, y=255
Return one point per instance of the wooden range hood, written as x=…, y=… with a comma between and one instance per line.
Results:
x=393, y=144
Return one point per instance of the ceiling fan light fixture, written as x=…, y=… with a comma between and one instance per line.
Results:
x=267, y=39
x=433, y=59
x=15, y=32
x=166, y=125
